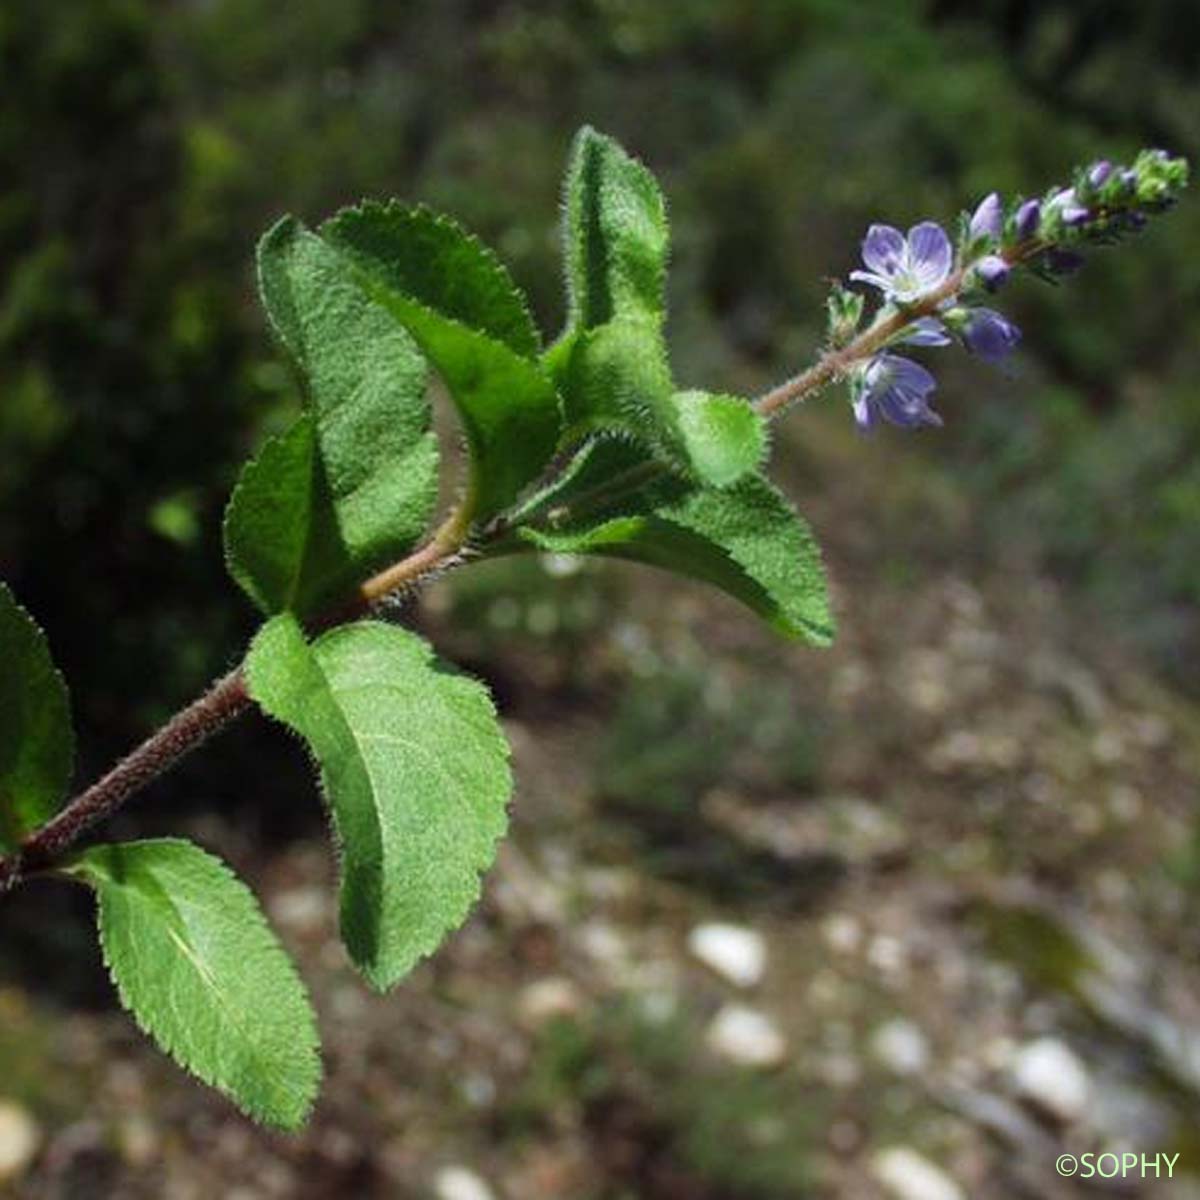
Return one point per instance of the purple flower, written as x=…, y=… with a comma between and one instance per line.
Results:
x=1099, y=172
x=989, y=334
x=926, y=331
x=1068, y=207
x=992, y=271
x=988, y=217
x=1028, y=218
x=896, y=390
x=905, y=269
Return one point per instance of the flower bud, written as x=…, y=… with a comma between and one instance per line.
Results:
x=845, y=310
x=990, y=335
x=992, y=271
x=1027, y=220
x=1068, y=208
x=988, y=217
x=1099, y=172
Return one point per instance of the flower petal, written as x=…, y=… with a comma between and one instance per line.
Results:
x=907, y=375
x=894, y=389
x=906, y=410
x=884, y=285
x=864, y=414
x=883, y=249
x=926, y=331
x=930, y=253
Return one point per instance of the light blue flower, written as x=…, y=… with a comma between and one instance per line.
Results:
x=895, y=390
x=989, y=335
x=906, y=268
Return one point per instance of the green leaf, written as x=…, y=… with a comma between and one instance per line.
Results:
x=196, y=964
x=455, y=299
x=611, y=364
x=432, y=259
x=746, y=539
x=36, y=741
x=615, y=379
x=615, y=235
x=723, y=436
x=351, y=486
x=415, y=770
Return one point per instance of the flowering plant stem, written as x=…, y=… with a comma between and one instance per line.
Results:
x=228, y=697
x=834, y=364
x=413, y=759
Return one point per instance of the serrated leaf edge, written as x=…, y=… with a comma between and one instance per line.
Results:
x=78, y=867
x=531, y=339
x=381, y=293
x=243, y=578
x=380, y=981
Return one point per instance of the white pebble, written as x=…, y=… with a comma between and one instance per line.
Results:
x=734, y=952
x=901, y=1047
x=746, y=1036
x=19, y=1140
x=908, y=1175
x=1050, y=1076
x=458, y=1183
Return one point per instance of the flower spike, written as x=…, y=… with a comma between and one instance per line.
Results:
x=927, y=288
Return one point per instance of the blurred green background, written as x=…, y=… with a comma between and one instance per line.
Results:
x=144, y=146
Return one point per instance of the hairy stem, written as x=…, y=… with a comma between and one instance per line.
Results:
x=181, y=734
x=195, y=724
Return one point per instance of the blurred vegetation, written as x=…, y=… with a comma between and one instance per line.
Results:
x=662, y=1119
x=144, y=145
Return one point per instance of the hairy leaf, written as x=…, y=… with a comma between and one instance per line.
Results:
x=415, y=769
x=455, y=299
x=433, y=260
x=351, y=486
x=723, y=436
x=196, y=964
x=611, y=363
x=36, y=741
x=616, y=379
x=615, y=235
x=745, y=539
